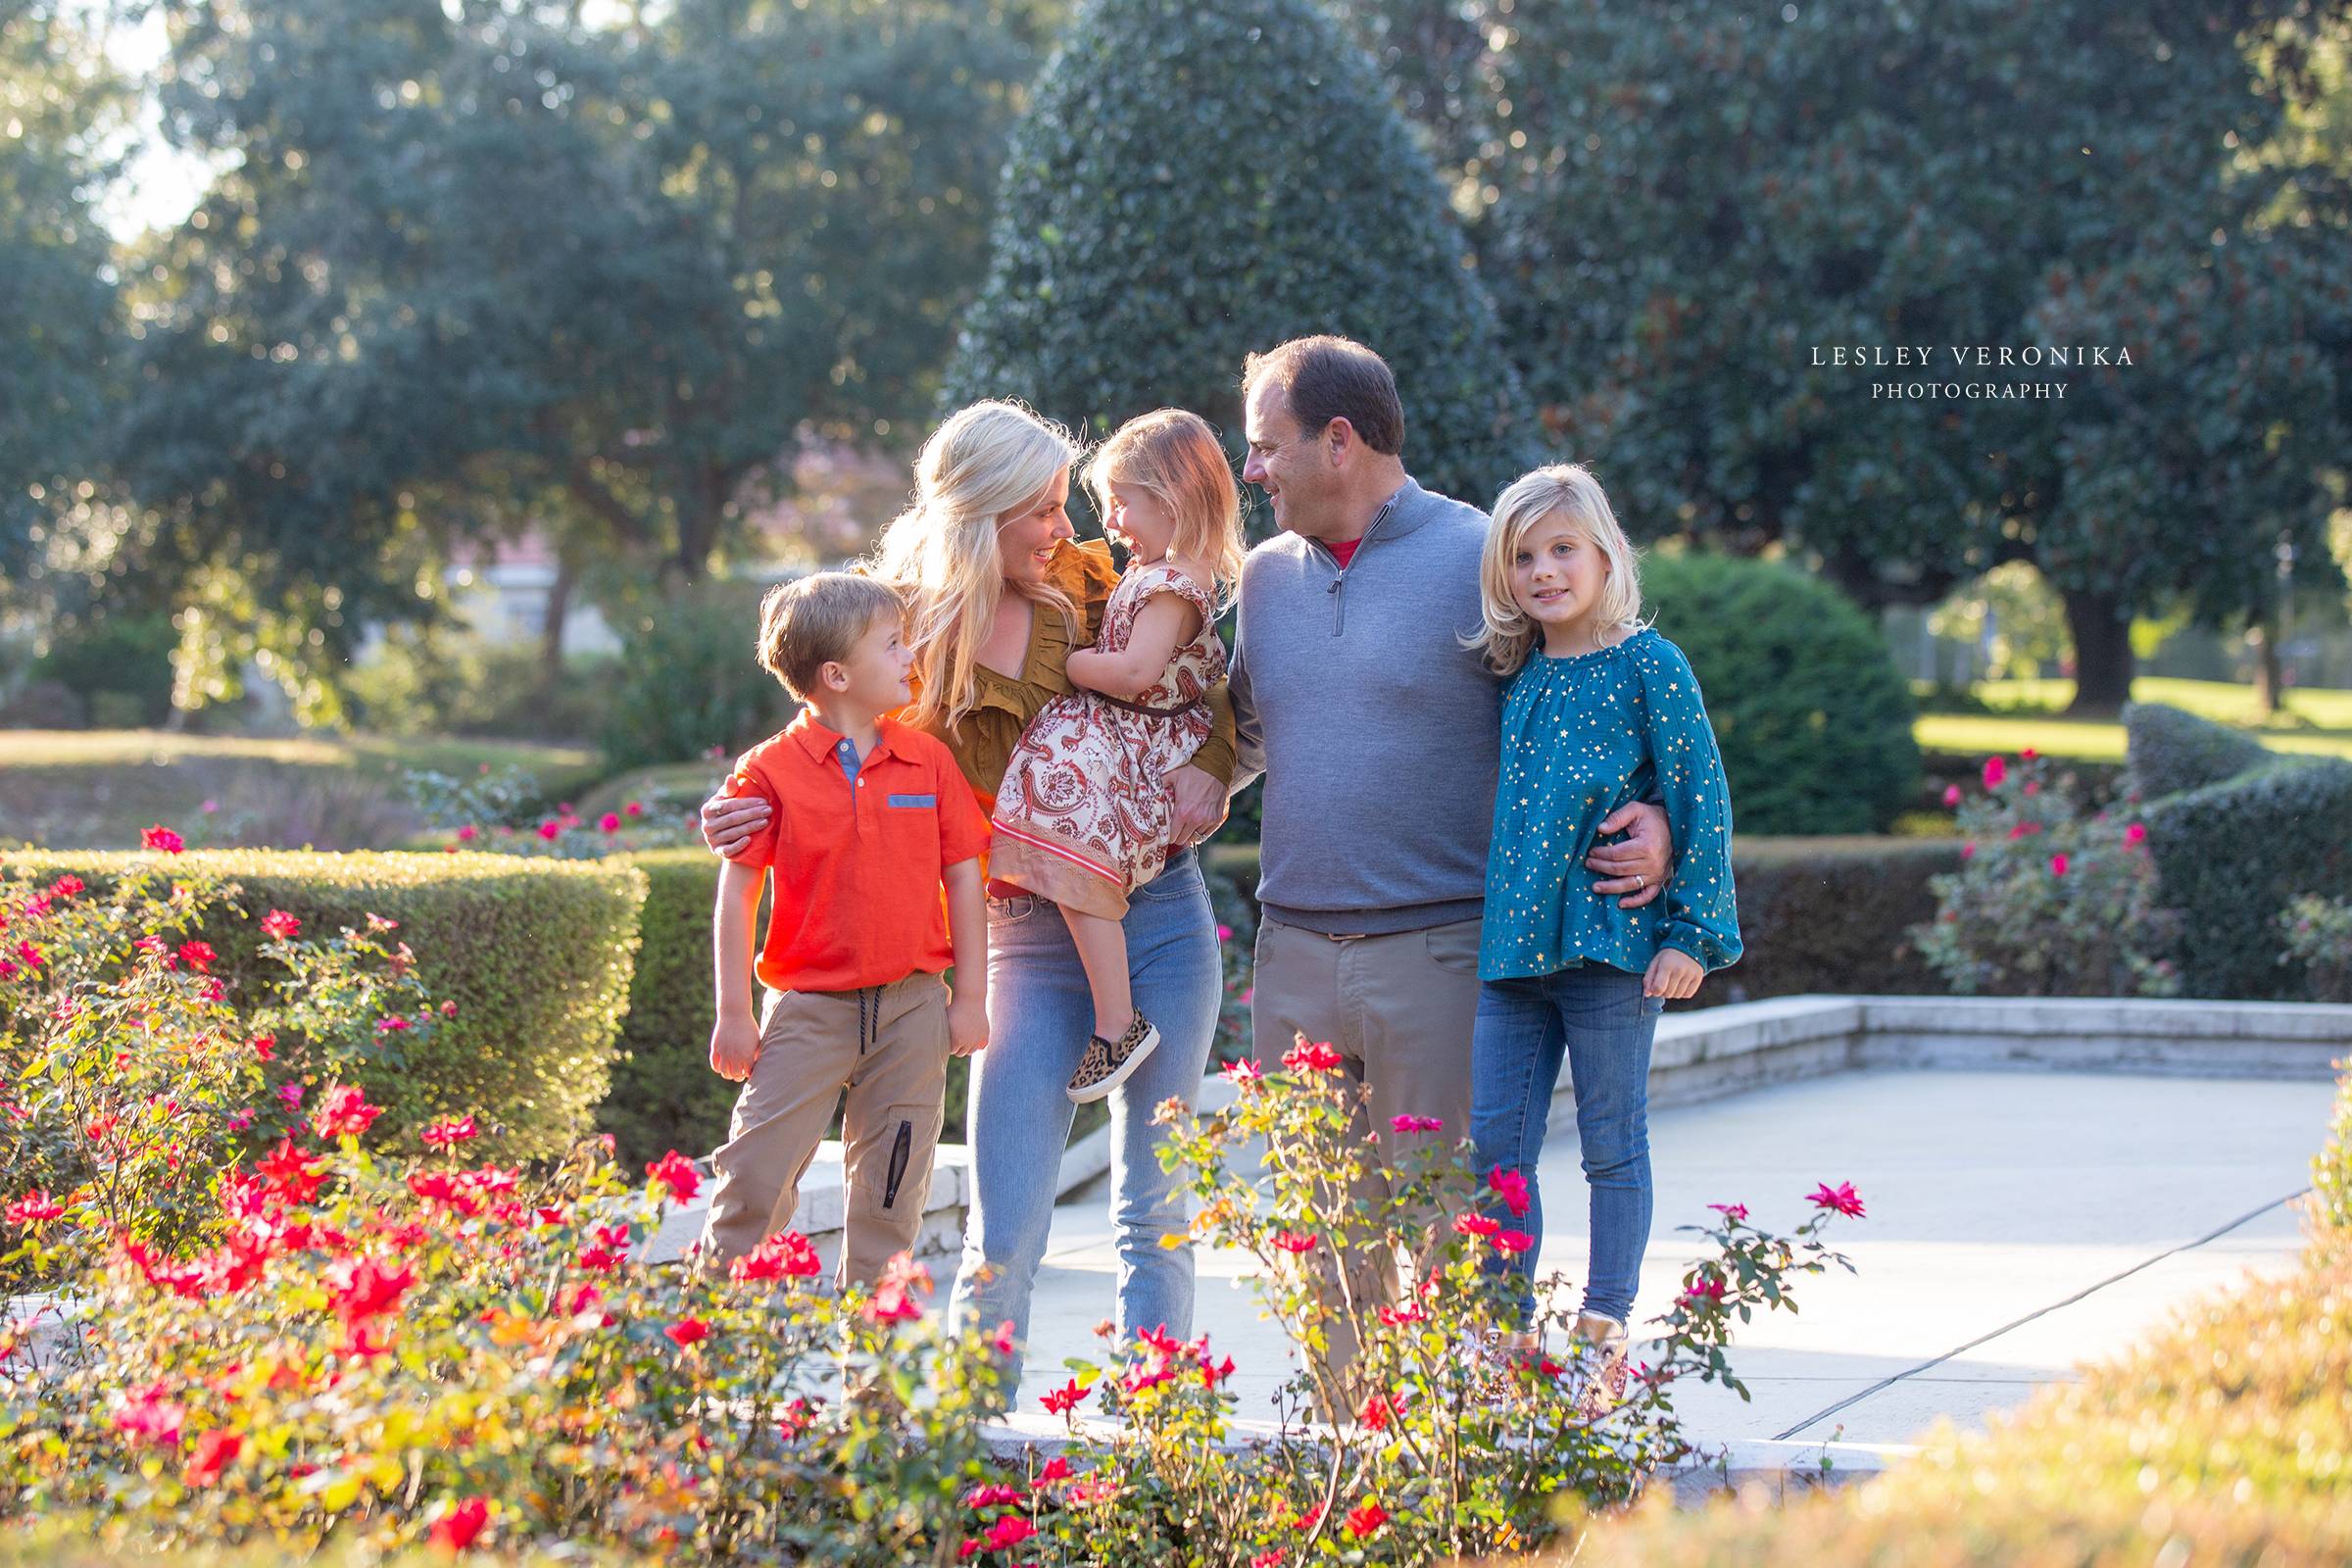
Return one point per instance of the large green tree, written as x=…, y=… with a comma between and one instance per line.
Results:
x=1696, y=207
x=60, y=336
x=477, y=263
x=1196, y=179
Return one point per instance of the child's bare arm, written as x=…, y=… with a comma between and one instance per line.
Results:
x=967, y=936
x=1165, y=623
x=735, y=1037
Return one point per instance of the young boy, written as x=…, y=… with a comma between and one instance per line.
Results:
x=870, y=819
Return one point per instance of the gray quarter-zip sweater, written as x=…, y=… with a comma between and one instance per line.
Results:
x=1378, y=732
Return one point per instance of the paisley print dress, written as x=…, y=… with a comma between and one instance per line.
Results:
x=1084, y=814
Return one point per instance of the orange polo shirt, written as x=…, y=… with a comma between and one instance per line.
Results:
x=855, y=867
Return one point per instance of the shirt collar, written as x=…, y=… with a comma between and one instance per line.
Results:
x=820, y=742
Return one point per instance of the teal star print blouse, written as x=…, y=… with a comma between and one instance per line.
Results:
x=1581, y=737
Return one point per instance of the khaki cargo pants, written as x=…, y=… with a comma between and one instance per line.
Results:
x=1398, y=1007
x=887, y=1047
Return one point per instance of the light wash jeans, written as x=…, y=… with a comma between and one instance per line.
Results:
x=1597, y=1019
x=1040, y=1015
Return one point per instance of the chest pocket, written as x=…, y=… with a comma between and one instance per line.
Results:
x=914, y=803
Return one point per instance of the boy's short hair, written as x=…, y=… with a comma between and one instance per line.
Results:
x=811, y=621
x=1325, y=378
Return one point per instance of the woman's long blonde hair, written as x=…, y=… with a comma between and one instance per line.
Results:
x=1569, y=490
x=1175, y=458
x=978, y=470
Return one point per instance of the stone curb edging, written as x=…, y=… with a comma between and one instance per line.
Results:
x=1713, y=1052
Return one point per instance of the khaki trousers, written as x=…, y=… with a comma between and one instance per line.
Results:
x=1398, y=1008
x=886, y=1047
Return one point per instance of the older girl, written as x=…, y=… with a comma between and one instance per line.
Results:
x=1600, y=711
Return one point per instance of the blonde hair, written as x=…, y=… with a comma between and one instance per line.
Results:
x=1567, y=490
x=1175, y=458
x=808, y=623
x=976, y=472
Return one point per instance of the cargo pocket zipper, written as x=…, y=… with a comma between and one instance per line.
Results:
x=901, y=1149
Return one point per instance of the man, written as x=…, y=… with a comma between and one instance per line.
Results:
x=1379, y=737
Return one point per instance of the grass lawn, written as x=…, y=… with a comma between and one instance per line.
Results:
x=98, y=787
x=2316, y=721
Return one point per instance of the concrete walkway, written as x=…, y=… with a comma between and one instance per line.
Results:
x=2019, y=1223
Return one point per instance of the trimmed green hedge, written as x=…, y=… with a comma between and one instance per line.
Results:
x=1832, y=915
x=664, y=1094
x=536, y=954
x=2172, y=750
x=2233, y=855
x=1815, y=913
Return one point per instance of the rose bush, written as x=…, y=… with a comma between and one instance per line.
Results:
x=269, y=1317
x=2048, y=901
x=2317, y=933
x=1446, y=1445
x=131, y=1074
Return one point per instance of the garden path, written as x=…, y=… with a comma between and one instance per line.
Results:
x=2019, y=1223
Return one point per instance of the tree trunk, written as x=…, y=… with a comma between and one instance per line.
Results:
x=2270, y=677
x=559, y=610
x=2101, y=629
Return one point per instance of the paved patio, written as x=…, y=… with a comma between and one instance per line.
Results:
x=2020, y=1223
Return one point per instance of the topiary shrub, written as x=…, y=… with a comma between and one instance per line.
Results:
x=1813, y=718
x=688, y=679
x=2172, y=750
x=2233, y=855
x=535, y=954
x=1196, y=179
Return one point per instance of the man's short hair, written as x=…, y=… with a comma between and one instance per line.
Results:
x=811, y=621
x=1325, y=378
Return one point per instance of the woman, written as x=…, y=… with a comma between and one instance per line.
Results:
x=999, y=594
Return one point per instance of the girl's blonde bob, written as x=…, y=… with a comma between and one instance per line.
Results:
x=987, y=465
x=1175, y=458
x=1567, y=490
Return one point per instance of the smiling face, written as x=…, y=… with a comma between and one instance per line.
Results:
x=871, y=678
x=1288, y=465
x=1557, y=574
x=1028, y=537
x=1139, y=520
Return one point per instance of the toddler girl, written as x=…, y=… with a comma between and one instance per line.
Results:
x=1084, y=815
x=1600, y=711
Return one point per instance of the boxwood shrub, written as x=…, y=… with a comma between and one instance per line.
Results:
x=2171, y=749
x=1816, y=914
x=1832, y=915
x=2233, y=855
x=664, y=1094
x=536, y=954
x=1812, y=716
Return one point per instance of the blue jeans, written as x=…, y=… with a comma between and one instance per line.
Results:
x=1598, y=1019
x=1040, y=1015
